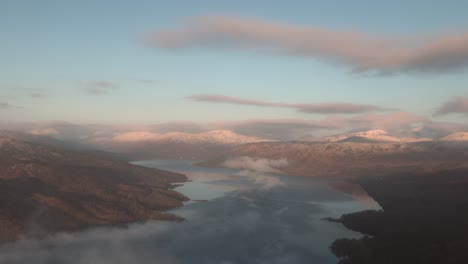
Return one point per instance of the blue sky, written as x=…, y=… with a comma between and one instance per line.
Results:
x=86, y=61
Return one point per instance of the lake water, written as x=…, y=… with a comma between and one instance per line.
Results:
x=249, y=217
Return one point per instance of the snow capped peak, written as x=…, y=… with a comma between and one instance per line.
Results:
x=458, y=136
x=373, y=135
x=214, y=136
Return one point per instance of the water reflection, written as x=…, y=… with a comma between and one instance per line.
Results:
x=273, y=220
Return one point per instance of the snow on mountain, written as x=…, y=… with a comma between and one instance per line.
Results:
x=371, y=135
x=216, y=136
x=459, y=136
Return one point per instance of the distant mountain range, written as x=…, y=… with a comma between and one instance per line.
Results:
x=368, y=152
x=377, y=135
x=45, y=188
x=175, y=145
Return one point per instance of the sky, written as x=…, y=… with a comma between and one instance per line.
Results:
x=150, y=62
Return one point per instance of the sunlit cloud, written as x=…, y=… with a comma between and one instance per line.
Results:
x=361, y=52
x=318, y=108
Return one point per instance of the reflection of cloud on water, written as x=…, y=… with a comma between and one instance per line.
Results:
x=224, y=230
x=264, y=181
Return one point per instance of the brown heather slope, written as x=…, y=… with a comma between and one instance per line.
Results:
x=46, y=189
x=353, y=158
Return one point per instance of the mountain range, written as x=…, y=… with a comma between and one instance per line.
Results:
x=139, y=145
x=369, y=152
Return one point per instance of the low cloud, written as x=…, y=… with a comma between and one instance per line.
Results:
x=257, y=164
x=391, y=121
x=265, y=182
x=257, y=170
x=457, y=105
x=282, y=129
x=359, y=51
x=318, y=108
x=224, y=230
x=100, y=88
x=438, y=130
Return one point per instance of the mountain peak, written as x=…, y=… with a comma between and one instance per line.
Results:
x=458, y=136
x=373, y=135
x=213, y=136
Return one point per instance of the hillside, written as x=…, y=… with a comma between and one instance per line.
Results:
x=139, y=145
x=423, y=222
x=46, y=189
x=352, y=158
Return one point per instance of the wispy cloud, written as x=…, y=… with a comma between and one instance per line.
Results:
x=359, y=51
x=37, y=93
x=100, y=88
x=457, y=105
x=390, y=121
x=319, y=108
x=6, y=106
x=282, y=129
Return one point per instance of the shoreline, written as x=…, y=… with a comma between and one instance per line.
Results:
x=422, y=220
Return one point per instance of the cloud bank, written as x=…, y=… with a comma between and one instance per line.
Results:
x=257, y=164
x=457, y=105
x=320, y=108
x=359, y=51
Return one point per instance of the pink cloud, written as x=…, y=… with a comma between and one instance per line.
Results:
x=359, y=51
x=321, y=108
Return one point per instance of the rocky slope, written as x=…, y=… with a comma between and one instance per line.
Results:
x=459, y=136
x=45, y=189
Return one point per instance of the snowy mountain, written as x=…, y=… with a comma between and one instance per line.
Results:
x=351, y=158
x=459, y=136
x=216, y=137
x=175, y=145
x=377, y=135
